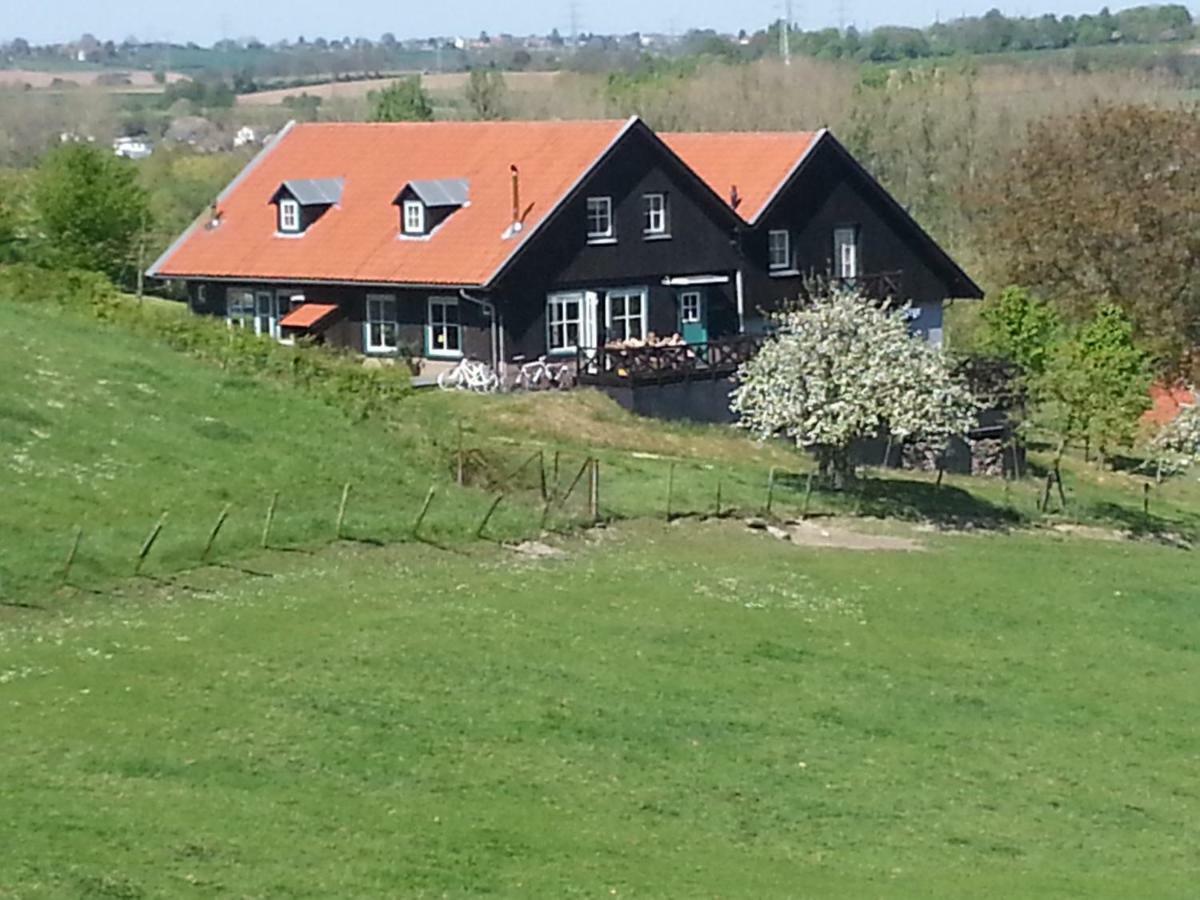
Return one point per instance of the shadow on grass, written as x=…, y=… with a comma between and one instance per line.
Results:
x=916, y=500
x=1142, y=525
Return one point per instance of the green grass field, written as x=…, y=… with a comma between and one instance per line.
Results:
x=658, y=710
x=667, y=711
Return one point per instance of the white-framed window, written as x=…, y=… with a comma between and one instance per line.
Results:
x=599, y=219
x=689, y=307
x=626, y=319
x=654, y=206
x=779, y=249
x=289, y=215
x=239, y=308
x=845, y=251
x=444, y=332
x=382, y=331
x=564, y=322
x=414, y=217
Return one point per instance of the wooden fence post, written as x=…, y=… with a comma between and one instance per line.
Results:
x=770, y=489
x=1146, y=499
x=556, y=453
x=542, y=473
x=718, y=513
x=571, y=489
x=341, y=516
x=266, y=532
x=594, y=492
x=459, y=476
x=670, y=489
x=149, y=542
x=807, y=494
x=70, y=561
x=424, y=509
x=487, y=516
x=212, y=535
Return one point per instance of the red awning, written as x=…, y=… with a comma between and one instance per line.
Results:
x=309, y=315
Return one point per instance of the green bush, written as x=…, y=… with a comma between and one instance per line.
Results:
x=336, y=378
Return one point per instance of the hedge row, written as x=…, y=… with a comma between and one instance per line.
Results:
x=335, y=377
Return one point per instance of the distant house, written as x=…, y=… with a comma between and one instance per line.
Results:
x=506, y=241
x=133, y=147
x=245, y=135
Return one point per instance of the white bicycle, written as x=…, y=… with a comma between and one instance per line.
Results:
x=469, y=375
x=540, y=375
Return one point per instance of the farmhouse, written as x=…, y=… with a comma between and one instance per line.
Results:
x=585, y=241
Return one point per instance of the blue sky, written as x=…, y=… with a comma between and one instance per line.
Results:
x=209, y=20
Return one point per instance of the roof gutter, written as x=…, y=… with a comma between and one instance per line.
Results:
x=152, y=272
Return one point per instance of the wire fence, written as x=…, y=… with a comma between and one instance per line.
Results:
x=505, y=491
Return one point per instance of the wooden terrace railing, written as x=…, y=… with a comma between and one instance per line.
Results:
x=663, y=363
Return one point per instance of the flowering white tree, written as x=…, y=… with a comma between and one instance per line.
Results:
x=1177, y=444
x=842, y=369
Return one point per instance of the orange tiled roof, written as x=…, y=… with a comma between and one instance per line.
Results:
x=1167, y=401
x=306, y=315
x=359, y=239
x=757, y=163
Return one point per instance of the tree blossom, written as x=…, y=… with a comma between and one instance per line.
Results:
x=1176, y=447
x=841, y=369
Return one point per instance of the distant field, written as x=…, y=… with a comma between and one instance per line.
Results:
x=37, y=79
x=448, y=81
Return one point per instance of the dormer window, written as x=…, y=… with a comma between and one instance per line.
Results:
x=414, y=217
x=289, y=216
x=425, y=205
x=300, y=202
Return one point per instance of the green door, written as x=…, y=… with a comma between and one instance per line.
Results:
x=693, y=317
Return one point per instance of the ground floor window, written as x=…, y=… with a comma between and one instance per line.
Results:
x=444, y=329
x=239, y=308
x=381, y=328
x=626, y=318
x=564, y=322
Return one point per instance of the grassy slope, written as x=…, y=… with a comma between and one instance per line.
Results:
x=106, y=430
x=675, y=711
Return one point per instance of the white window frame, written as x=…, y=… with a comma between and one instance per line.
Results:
x=691, y=304
x=654, y=210
x=414, y=217
x=289, y=216
x=840, y=246
x=432, y=328
x=377, y=314
x=773, y=262
x=643, y=296
x=601, y=208
x=557, y=317
x=240, y=308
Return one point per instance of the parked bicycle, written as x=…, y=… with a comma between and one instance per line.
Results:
x=469, y=375
x=540, y=375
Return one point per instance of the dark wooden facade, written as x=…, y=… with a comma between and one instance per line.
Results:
x=707, y=248
x=896, y=258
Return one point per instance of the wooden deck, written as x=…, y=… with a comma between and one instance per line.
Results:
x=663, y=364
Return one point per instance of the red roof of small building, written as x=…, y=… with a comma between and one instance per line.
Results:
x=359, y=239
x=756, y=163
x=308, y=315
x=1167, y=401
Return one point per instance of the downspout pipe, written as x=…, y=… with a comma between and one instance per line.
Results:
x=497, y=341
